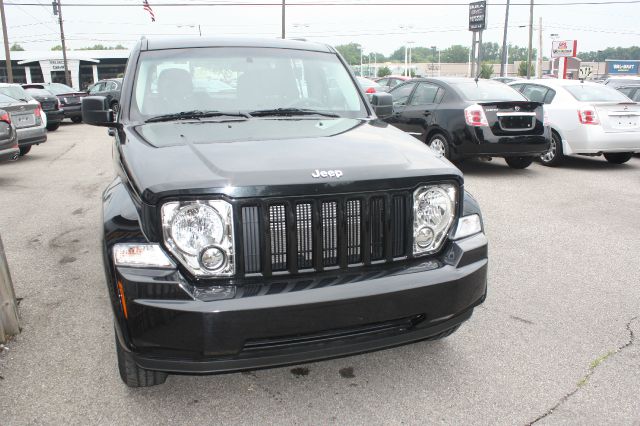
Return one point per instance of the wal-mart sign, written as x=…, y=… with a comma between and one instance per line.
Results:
x=623, y=67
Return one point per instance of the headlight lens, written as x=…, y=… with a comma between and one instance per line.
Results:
x=200, y=234
x=433, y=213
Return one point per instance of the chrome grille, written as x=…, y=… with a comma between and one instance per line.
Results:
x=278, y=234
x=329, y=234
x=305, y=235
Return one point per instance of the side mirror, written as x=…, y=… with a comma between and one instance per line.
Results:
x=96, y=111
x=382, y=104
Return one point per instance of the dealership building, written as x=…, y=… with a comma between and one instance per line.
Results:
x=85, y=66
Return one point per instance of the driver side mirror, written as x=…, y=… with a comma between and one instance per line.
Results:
x=96, y=111
x=382, y=104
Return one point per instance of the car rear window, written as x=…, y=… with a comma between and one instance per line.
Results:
x=15, y=92
x=38, y=92
x=487, y=91
x=595, y=93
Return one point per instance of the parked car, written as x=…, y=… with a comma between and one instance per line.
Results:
x=461, y=117
x=277, y=226
x=9, y=149
x=506, y=79
x=27, y=119
x=631, y=91
x=68, y=96
x=369, y=86
x=391, y=81
x=616, y=82
x=110, y=89
x=15, y=91
x=587, y=119
x=50, y=105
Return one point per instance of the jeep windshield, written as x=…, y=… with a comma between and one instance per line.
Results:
x=265, y=82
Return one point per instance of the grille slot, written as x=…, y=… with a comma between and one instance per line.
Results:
x=251, y=239
x=329, y=233
x=278, y=231
x=354, y=243
x=399, y=225
x=304, y=224
x=376, y=214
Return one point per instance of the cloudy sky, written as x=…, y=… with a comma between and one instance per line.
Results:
x=376, y=27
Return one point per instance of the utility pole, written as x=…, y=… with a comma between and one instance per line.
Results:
x=283, y=18
x=503, y=61
x=530, y=41
x=58, y=9
x=9, y=320
x=7, y=51
x=540, y=49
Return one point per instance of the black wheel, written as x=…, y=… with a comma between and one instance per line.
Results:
x=519, y=162
x=134, y=376
x=24, y=150
x=554, y=156
x=115, y=106
x=76, y=119
x=53, y=127
x=618, y=157
x=440, y=145
x=445, y=333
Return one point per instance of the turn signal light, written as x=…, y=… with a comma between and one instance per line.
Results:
x=5, y=117
x=474, y=116
x=588, y=115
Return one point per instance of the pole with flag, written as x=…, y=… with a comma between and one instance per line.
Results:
x=147, y=7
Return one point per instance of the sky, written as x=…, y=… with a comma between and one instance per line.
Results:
x=376, y=28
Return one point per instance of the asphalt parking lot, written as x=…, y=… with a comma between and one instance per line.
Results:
x=556, y=340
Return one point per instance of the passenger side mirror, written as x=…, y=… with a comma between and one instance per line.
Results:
x=382, y=104
x=96, y=111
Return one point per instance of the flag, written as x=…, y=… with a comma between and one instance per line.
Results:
x=145, y=5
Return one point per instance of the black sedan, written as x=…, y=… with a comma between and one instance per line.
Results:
x=9, y=149
x=70, y=99
x=461, y=118
x=110, y=89
x=50, y=105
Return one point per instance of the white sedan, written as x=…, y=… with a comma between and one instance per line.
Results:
x=586, y=119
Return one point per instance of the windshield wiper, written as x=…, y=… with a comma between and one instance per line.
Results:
x=187, y=115
x=290, y=112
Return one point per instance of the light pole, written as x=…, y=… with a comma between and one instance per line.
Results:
x=410, y=60
x=554, y=37
x=530, y=53
x=505, y=52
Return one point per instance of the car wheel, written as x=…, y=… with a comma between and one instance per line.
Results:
x=115, y=106
x=618, y=157
x=519, y=162
x=134, y=376
x=76, y=119
x=554, y=156
x=440, y=145
x=444, y=334
x=53, y=127
x=24, y=150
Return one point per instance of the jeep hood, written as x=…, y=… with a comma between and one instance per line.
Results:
x=273, y=157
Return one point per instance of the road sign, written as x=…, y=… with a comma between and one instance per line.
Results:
x=564, y=49
x=585, y=71
x=477, y=16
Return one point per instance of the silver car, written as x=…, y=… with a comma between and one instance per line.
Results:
x=28, y=121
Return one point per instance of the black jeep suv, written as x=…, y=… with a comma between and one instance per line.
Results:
x=263, y=215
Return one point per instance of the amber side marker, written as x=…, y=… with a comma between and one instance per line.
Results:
x=123, y=301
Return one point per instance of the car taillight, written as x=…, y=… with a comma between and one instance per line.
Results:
x=588, y=115
x=371, y=90
x=5, y=117
x=38, y=111
x=474, y=116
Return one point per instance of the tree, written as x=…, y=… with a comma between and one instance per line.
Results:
x=15, y=47
x=522, y=69
x=350, y=52
x=384, y=71
x=56, y=47
x=455, y=53
x=486, y=71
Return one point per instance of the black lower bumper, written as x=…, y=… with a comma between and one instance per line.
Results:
x=170, y=332
x=482, y=142
x=54, y=116
x=72, y=111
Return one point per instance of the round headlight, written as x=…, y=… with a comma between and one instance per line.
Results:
x=196, y=226
x=212, y=258
x=434, y=207
x=424, y=237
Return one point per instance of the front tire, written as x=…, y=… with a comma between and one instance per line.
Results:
x=76, y=119
x=519, y=162
x=618, y=157
x=134, y=376
x=440, y=145
x=554, y=156
x=24, y=150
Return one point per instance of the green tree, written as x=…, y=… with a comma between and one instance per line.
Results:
x=486, y=71
x=455, y=53
x=15, y=47
x=56, y=47
x=522, y=69
x=350, y=52
x=384, y=71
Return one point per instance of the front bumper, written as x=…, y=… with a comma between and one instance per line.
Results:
x=32, y=135
x=480, y=141
x=297, y=319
